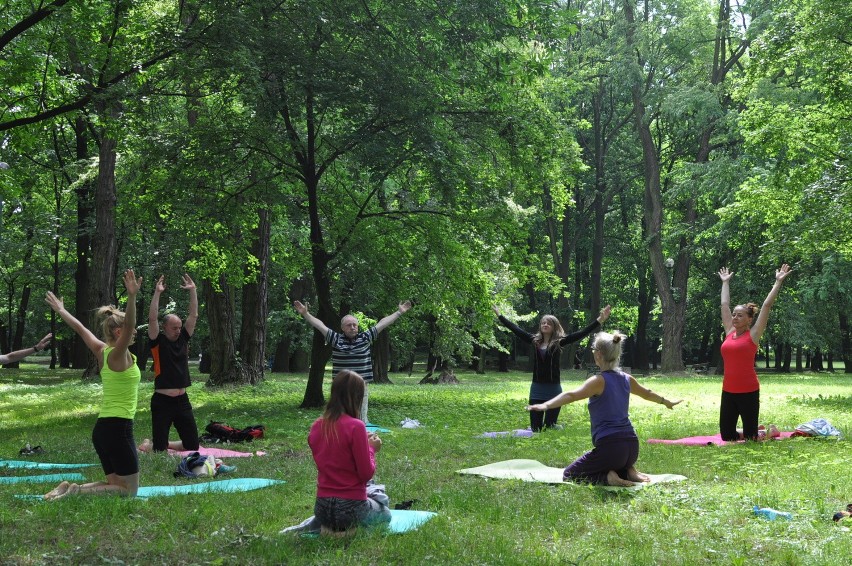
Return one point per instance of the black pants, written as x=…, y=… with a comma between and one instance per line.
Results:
x=113, y=441
x=539, y=419
x=734, y=406
x=166, y=411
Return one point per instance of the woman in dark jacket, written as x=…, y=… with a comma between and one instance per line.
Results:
x=547, y=343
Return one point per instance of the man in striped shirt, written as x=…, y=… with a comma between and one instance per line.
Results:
x=352, y=349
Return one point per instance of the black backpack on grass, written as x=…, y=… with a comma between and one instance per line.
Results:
x=222, y=433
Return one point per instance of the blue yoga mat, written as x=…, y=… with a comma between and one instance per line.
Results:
x=376, y=428
x=223, y=486
x=41, y=465
x=43, y=478
x=404, y=520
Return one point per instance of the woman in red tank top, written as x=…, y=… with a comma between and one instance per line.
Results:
x=740, y=387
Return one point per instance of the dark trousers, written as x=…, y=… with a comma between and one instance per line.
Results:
x=613, y=453
x=734, y=406
x=113, y=441
x=166, y=411
x=539, y=419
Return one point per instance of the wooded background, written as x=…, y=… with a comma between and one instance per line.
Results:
x=543, y=156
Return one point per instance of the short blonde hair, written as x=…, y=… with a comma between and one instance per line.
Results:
x=609, y=345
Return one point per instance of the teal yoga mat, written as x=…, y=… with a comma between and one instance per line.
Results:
x=376, y=428
x=46, y=478
x=223, y=486
x=535, y=471
x=404, y=520
x=41, y=465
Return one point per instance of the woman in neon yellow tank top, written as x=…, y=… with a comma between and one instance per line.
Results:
x=113, y=432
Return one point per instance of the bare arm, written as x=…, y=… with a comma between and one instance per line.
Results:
x=192, y=317
x=154, y=309
x=119, y=358
x=727, y=317
x=13, y=357
x=393, y=317
x=763, y=315
x=302, y=309
x=591, y=387
x=91, y=341
x=648, y=395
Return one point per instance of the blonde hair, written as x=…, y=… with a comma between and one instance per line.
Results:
x=111, y=318
x=609, y=345
x=557, y=334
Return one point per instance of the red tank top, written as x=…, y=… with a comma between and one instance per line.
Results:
x=739, y=353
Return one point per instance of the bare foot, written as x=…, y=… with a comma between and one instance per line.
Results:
x=73, y=489
x=774, y=432
x=613, y=479
x=57, y=491
x=146, y=446
x=635, y=475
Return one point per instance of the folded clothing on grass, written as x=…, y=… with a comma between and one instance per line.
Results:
x=41, y=465
x=715, y=439
x=46, y=478
x=535, y=471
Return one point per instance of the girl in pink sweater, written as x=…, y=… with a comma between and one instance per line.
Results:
x=345, y=456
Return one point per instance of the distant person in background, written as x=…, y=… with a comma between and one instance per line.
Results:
x=616, y=446
x=18, y=355
x=547, y=345
x=113, y=432
x=352, y=350
x=740, y=386
x=170, y=349
x=345, y=456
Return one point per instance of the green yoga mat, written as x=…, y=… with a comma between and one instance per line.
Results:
x=46, y=478
x=41, y=465
x=535, y=471
x=223, y=486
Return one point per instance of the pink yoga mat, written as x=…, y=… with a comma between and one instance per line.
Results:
x=704, y=440
x=218, y=453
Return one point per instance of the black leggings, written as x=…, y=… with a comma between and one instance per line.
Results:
x=734, y=406
x=547, y=418
x=113, y=440
x=165, y=411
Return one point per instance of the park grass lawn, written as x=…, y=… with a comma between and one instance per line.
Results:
x=705, y=520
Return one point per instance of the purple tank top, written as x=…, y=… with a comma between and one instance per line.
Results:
x=608, y=411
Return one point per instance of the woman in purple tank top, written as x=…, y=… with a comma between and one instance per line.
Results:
x=616, y=446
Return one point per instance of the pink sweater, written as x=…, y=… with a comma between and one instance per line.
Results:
x=345, y=460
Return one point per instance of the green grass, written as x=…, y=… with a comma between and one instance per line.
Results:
x=705, y=520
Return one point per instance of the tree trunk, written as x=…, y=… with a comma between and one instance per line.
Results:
x=256, y=307
x=104, y=241
x=225, y=365
x=845, y=343
x=381, y=357
x=281, y=357
x=79, y=351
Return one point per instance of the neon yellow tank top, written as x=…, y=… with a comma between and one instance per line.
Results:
x=120, y=389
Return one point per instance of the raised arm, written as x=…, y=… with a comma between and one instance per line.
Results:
x=763, y=316
x=580, y=334
x=154, y=309
x=727, y=317
x=591, y=387
x=393, y=317
x=91, y=341
x=648, y=395
x=312, y=320
x=13, y=357
x=192, y=317
x=119, y=358
x=516, y=330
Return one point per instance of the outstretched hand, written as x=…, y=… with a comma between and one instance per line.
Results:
x=496, y=310
x=604, y=315
x=42, y=344
x=541, y=407
x=301, y=308
x=671, y=404
x=188, y=283
x=404, y=306
x=160, y=287
x=131, y=282
x=781, y=274
x=725, y=274
x=55, y=302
